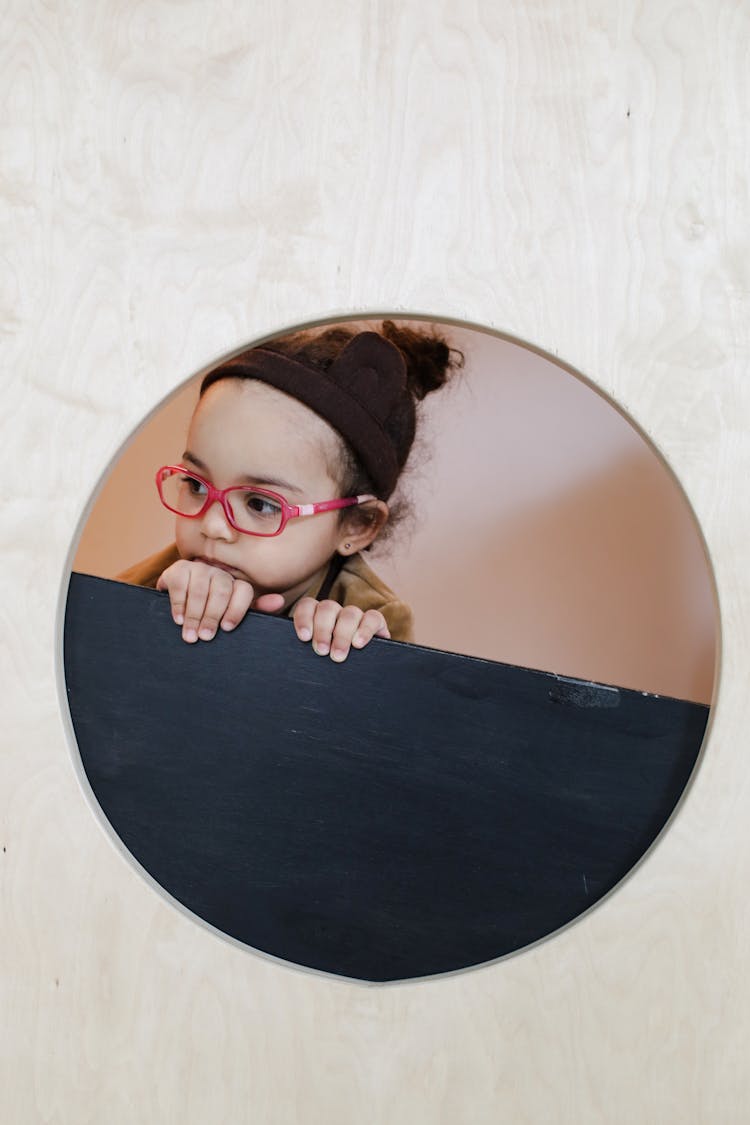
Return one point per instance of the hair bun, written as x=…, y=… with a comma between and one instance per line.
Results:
x=429, y=359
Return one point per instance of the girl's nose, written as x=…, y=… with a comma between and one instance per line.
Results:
x=214, y=523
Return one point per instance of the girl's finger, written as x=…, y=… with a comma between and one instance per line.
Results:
x=324, y=623
x=175, y=581
x=304, y=616
x=269, y=603
x=347, y=624
x=195, y=602
x=220, y=590
x=240, y=601
x=373, y=624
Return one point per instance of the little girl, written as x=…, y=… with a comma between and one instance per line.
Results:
x=293, y=453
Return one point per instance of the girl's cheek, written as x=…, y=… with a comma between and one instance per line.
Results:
x=182, y=538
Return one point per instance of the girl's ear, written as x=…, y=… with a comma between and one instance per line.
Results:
x=362, y=527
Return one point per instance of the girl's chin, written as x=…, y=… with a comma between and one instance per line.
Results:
x=259, y=588
x=260, y=591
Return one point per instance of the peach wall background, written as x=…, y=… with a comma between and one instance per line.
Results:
x=546, y=531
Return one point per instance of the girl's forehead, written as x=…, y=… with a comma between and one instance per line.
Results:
x=251, y=427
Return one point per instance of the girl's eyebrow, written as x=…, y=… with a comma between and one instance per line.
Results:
x=246, y=478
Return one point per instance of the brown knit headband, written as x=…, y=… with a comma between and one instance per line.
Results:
x=357, y=395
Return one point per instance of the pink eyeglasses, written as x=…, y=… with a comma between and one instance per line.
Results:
x=253, y=511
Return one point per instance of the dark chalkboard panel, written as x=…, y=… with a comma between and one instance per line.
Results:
x=406, y=813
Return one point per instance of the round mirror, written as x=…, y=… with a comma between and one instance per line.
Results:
x=438, y=800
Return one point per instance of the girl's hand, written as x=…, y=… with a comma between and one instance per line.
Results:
x=334, y=628
x=203, y=597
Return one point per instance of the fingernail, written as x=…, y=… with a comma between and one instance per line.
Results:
x=227, y=625
x=338, y=655
x=179, y=619
x=358, y=641
x=322, y=649
x=304, y=634
x=206, y=634
x=190, y=635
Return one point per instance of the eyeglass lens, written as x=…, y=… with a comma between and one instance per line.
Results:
x=251, y=511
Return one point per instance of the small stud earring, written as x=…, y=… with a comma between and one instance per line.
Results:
x=347, y=546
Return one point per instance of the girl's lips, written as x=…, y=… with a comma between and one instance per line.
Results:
x=221, y=566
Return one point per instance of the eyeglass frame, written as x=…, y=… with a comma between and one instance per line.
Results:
x=288, y=511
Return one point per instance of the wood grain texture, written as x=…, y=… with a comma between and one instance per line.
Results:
x=178, y=179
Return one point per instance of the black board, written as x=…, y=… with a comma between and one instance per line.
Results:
x=407, y=813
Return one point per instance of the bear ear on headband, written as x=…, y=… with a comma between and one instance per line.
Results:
x=373, y=370
x=362, y=389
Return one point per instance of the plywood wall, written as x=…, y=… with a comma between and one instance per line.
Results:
x=178, y=179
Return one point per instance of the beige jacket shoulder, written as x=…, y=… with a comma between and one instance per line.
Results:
x=356, y=584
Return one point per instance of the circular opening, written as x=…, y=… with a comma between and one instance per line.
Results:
x=545, y=534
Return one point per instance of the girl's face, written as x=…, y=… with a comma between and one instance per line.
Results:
x=245, y=432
